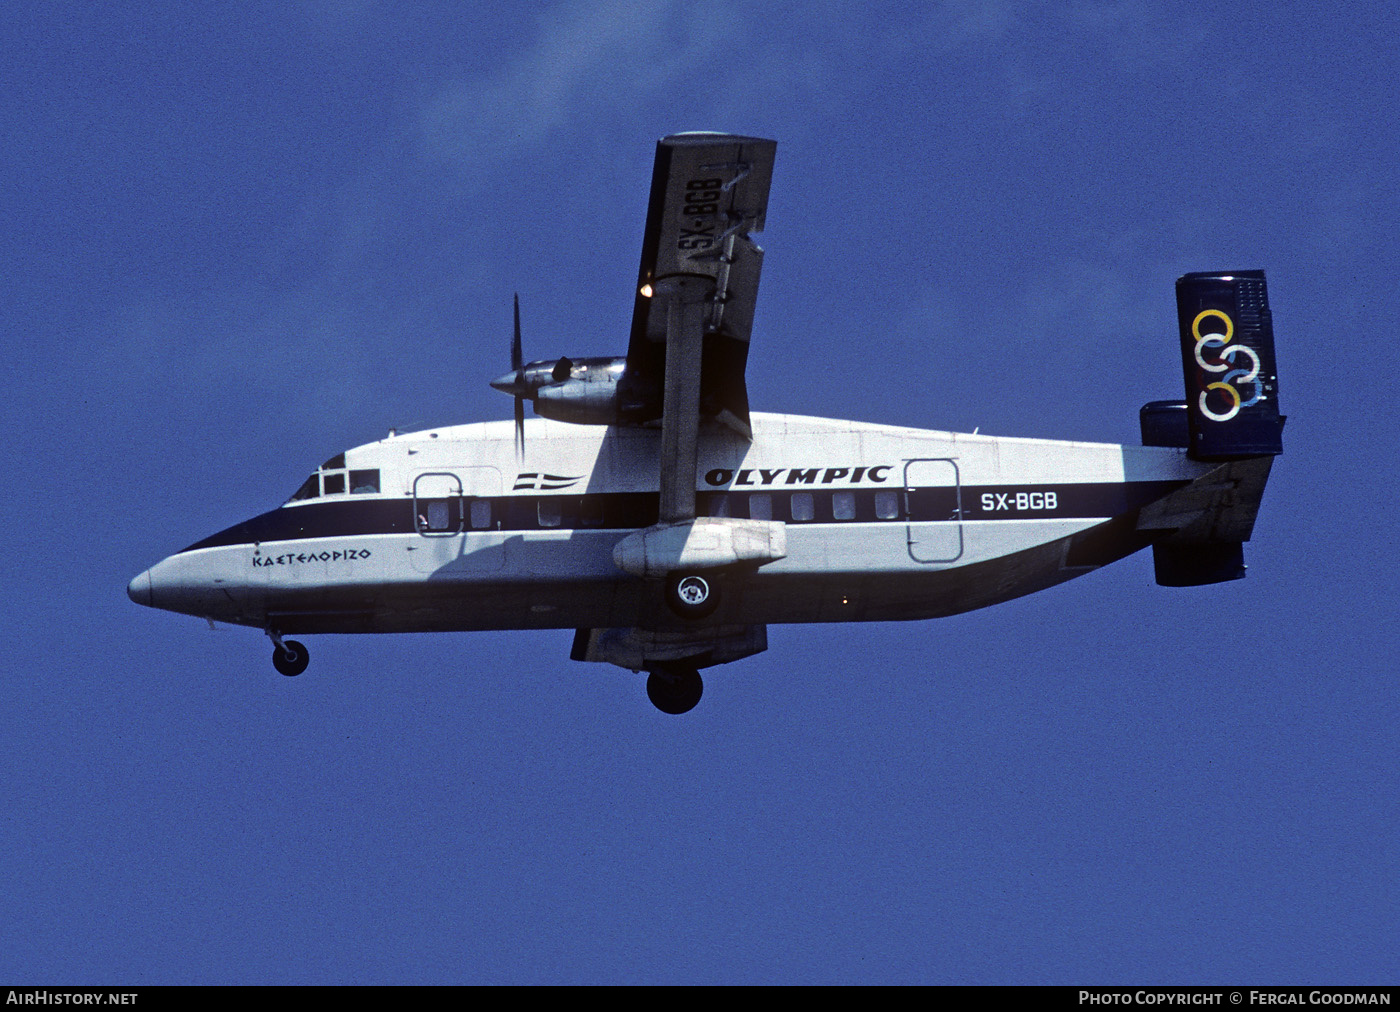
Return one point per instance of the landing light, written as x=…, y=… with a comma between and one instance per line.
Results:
x=646, y=291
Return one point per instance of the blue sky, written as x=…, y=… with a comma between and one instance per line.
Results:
x=238, y=241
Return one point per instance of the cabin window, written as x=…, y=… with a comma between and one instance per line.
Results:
x=310, y=489
x=481, y=514
x=549, y=512
x=887, y=504
x=843, y=505
x=590, y=512
x=719, y=504
x=435, y=516
x=333, y=484
x=760, y=506
x=803, y=506
x=364, y=482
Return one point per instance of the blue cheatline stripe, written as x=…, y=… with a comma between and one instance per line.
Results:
x=354, y=516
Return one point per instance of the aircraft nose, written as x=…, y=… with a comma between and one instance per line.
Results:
x=139, y=589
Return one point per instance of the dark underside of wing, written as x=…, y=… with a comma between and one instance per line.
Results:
x=708, y=192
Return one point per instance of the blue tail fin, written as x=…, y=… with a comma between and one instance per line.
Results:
x=1227, y=352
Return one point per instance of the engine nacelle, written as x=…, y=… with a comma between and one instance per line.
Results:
x=582, y=390
x=588, y=396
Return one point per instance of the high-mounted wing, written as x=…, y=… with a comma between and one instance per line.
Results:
x=708, y=192
x=696, y=291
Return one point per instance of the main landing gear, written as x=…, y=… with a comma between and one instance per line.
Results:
x=674, y=688
x=691, y=595
x=288, y=656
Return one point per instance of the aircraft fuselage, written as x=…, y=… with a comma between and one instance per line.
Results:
x=447, y=529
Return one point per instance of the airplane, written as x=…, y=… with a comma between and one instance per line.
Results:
x=648, y=509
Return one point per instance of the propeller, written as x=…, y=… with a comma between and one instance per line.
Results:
x=517, y=363
x=515, y=384
x=519, y=385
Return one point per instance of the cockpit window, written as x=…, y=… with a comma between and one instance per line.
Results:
x=331, y=481
x=364, y=482
x=310, y=489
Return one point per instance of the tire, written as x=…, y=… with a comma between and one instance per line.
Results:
x=293, y=660
x=674, y=689
x=691, y=595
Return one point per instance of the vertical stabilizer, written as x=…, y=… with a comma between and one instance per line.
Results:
x=1227, y=351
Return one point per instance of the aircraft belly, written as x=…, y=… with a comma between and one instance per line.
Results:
x=911, y=592
x=463, y=605
x=988, y=540
x=884, y=548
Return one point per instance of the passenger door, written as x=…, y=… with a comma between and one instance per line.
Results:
x=933, y=510
x=452, y=512
x=437, y=504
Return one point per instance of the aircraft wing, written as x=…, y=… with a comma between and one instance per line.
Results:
x=696, y=291
x=708, y=192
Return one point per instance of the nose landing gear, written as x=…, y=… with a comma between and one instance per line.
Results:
x=288, y=656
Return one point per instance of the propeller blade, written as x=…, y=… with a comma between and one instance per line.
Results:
x=513, y=383
x=517, y=357
x=520, y=427
x=561, y=370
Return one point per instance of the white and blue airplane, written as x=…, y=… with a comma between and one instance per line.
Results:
x=649, y=510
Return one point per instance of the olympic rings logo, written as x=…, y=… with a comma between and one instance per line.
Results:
x=1227, y=357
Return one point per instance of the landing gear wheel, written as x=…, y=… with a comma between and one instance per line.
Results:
x=291, y=658
x=691, y=595
x=674, y=689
